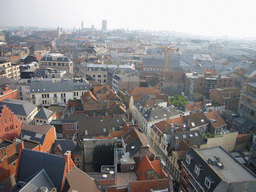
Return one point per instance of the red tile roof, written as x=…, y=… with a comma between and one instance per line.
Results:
x=144, y=91
x=148, y=185
x=144, y=165
x=195, y=106
x=102, y=97
x=210, y=71
x=214, y=115
x=87, y=96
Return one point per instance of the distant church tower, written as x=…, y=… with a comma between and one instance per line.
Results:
x=82, y=25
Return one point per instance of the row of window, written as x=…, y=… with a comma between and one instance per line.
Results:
x=10, y=128
x=197, y=170
x=5, y=121
x=55, y=64
x=247, y=110
x=72, y=126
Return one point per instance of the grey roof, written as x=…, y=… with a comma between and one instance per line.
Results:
x=188, y=59
x=253, y=84
x=171, y=91
x=231, y=166
x=194, y=138
x=31, y=162
x=57, y=109
x=50, y=58
x=40, y=180
x=8, y=81
x=159, y=113
x=96, y=126
x=34, y=136
x=173, y=61
x=134, y=146
x=44, y=113
x=65, y=144
x=66, y=85
x=19, y=107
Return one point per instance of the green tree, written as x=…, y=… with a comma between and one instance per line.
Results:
x=178, y=100
x=89, y=78
x=102, y=155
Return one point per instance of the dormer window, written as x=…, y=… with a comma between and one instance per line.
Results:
x=197, y=169
x=208, y=181
x=188, y=159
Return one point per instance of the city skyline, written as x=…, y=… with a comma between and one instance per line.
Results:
x=195, y=17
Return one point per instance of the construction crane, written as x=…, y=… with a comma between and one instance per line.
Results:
x=168, y=49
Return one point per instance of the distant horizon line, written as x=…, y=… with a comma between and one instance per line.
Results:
x=188, y=35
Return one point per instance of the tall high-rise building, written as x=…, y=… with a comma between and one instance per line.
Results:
x=82, y=25
x=104, y=25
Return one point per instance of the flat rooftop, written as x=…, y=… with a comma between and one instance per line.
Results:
x=233, y=170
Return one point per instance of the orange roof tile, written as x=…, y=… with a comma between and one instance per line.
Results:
x=144, y=91
x=176, y=121
x=214, y=115
x=210, y=71
x=87, y=96
x=157, y=166
x=143, y=166
x=148, y=185
x=102, y=97
x=195, y=106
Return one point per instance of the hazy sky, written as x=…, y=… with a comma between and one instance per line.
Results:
x=236, y=18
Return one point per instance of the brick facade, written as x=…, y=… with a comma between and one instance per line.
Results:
x=9, y=163
x=10, y=125
x=227, y=97
x=9, y=94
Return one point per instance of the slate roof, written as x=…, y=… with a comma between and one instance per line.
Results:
x=40, y=180
x=31, y=162
x=44, y=113
x=95, y=126
x=35, y=132
x=229, y=173
x=174, y=61
x=8, y=81
x=66, y=85
x=19, y=107
x=206, y=169
x=190, y=137
x=159, y=113
x=135, y=140
x=51, y=57
x=65, y=144
x=188, y=59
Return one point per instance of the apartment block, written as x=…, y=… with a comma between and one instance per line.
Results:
x=46, y=92
x=247, y=102
x=9, y=70
x=203, y=83
x=58, y=61
x=214, y=169
x=226, y=96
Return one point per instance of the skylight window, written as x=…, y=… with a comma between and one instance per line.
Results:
x=39, y=135
x=193, y=124
x=27, y=137
x=202, y=120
